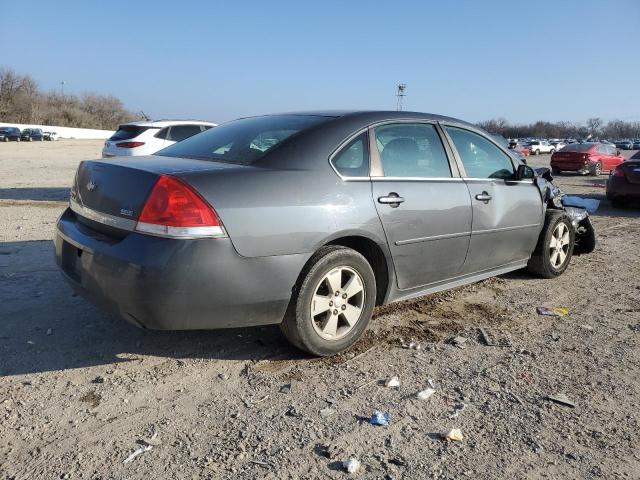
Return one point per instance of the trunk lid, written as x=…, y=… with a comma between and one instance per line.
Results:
x=119, y=187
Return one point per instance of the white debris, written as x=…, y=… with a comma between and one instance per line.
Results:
x=454, y=435
x=393, y=382
x=352, y=465
x=153, y=441
x=426, y=393
x=139, y=451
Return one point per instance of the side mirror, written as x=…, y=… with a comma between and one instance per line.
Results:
x=525, y=172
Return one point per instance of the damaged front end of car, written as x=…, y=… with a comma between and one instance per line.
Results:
x=552, y=197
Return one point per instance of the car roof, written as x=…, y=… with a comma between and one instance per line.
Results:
x=372, y=116
x=167, y=123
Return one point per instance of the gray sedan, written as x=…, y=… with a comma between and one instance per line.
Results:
x=306, y=220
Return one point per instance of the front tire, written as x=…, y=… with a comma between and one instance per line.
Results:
x=555, y=246
x=333, y=303
x=536, y=152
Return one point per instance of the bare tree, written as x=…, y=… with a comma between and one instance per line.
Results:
x=22, y=102
x=594, y=124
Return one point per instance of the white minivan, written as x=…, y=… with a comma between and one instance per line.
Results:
x=146, y=138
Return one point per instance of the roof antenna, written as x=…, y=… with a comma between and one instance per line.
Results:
x=401, y=93
x=144, y=115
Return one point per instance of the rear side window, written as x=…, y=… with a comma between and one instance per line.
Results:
x=480, y=157
x=353, y=159
x=411, y=150
x=177, y=133
x=127, y=132
x=243, y=141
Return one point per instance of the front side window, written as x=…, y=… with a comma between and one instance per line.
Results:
x=480, y=157
x=412, y=150
x=353, y=159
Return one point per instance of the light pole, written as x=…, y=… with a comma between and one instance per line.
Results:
x=401, y=93
x=62, y=87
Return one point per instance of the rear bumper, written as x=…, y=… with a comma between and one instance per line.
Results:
x=168, y=284
x=619, y=187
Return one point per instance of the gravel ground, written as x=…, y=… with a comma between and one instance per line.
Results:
x=80, y=390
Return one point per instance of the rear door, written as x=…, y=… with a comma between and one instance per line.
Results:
x=507, y=214
x=422, y=202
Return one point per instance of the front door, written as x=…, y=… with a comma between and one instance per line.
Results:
x=423, y=204
x=507, y=214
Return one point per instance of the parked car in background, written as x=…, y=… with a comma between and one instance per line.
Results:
x=623, y=185
x=536, y=147
x=586, y=158
x=557, y=144
x=306, y=220
x=636, y=144
x=8, y=134
x=50, y=136
x=145, y=138
x=31, y=134
x=518, y=147
x=624, y=144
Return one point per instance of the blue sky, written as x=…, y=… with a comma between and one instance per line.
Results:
x=552, y=60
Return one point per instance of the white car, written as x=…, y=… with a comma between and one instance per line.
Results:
x=536, y=147
x=146, y=138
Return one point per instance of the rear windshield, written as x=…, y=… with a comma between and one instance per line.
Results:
x=577, y=147
x=242, y=141
x=127, y=132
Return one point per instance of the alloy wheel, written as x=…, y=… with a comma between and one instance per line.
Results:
x=337, y=303
x=559, y=245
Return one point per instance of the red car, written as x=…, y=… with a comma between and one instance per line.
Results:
x=586, y=158
x=624, y=183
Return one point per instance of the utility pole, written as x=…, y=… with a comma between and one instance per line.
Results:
x=401, y=93
x=62, y=87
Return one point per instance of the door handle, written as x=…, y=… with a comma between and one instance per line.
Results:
x=483, y=197
x=393, y=200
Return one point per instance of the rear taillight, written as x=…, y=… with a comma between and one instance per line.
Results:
x=129, y=144
x=174, y=209
x=618, y=171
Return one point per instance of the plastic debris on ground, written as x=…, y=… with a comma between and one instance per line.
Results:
x=454, y=435
x=327, y=412
x=379, y=418
x=352, y=465
x=412, y=346
x=460, y=342
x=589, y=204
x=139, y=451
x=426, y=393
x=553, y=312
x=393, y=382
x=153, y=441
x=561, y=399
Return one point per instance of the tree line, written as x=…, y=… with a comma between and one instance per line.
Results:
x=22, y=101
x=595, y=127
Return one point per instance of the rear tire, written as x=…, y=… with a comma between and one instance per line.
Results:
x=556, y=171
x=595, y=169
x=550, y=258
x=536, y=152
x=322, y=332
x=552, y=151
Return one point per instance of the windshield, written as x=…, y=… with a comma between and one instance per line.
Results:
x=242, y=141
x=577, y=147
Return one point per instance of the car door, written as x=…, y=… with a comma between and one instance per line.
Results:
x=612, y=158
x=422, y=202
x=507, y=214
